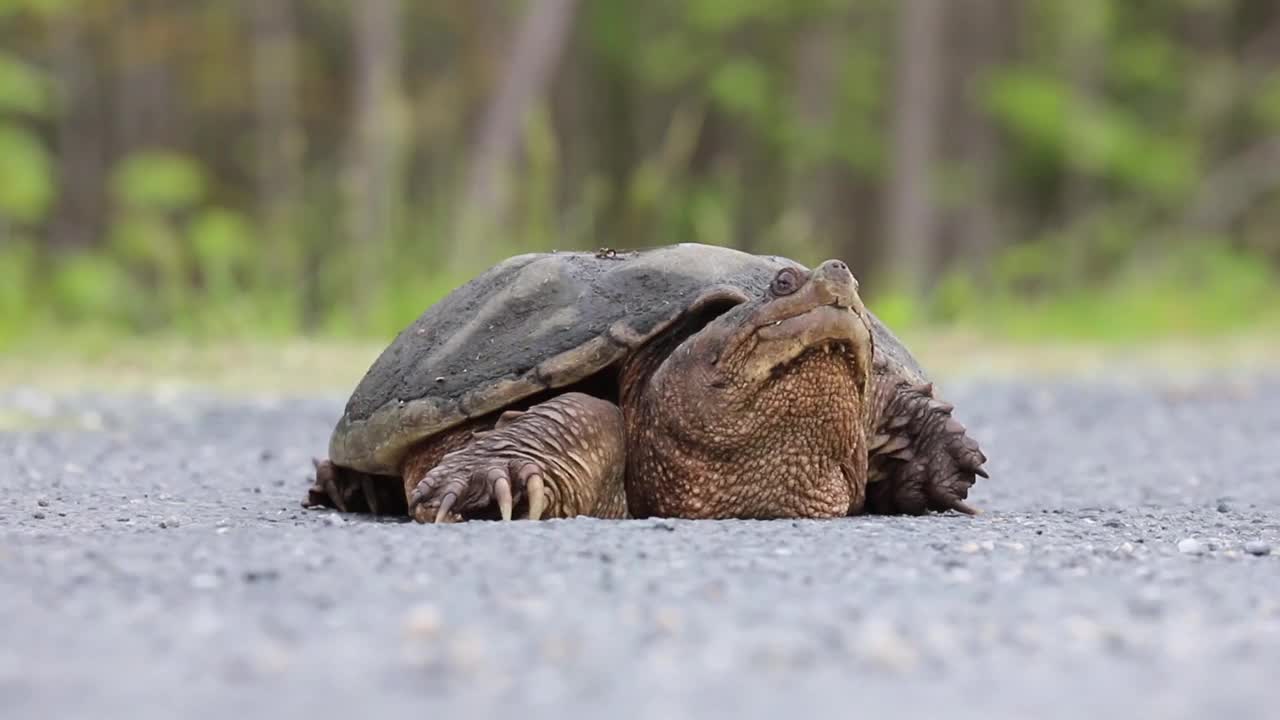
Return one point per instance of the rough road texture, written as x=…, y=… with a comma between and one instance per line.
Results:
x=154, y=562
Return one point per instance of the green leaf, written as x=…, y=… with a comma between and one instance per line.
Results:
x=26, y=175
x=221, y=241
x=1031, y=105
x=1148, y=60
x=221, y=237
x=23, y=89
x=670, y=60
x=17, y=276
x=1266, y=103
x=145, y=239
x=741, y=85
x=40, y=7
x=89, y=286
x=159, y=180
x=720, y=15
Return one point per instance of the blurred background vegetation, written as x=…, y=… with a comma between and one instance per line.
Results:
x=1085, y=169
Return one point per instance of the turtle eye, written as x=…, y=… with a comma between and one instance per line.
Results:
x=785, y=282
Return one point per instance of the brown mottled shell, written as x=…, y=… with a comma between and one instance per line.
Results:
x=529, y=324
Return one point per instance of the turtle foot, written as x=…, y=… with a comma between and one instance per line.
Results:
x=349, y=491
x=468, y=485
x=559, y=458
x=923, y=459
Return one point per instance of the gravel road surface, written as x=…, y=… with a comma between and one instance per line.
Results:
x=155, y=562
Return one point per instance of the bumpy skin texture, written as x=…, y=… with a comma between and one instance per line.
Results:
x=761, y=413
x=533, y=325
x=787, y=452
x=790, y=400
x=921, y=458
x=560, y=458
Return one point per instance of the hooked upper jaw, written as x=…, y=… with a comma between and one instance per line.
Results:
x=818, y=311
x=824, y=329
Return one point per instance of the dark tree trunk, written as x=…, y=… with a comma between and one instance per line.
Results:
x=374, y=147
x=80, y=216
x=278, y=141
x=533, y=59
x=910, y=213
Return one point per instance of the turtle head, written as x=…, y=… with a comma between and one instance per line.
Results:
x=803, y=319
x=762, y=410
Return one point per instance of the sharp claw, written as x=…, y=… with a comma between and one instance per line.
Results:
x=981, y=473
x=535, y=489
x=961, y=506
x=502, y=490
x=446, y=504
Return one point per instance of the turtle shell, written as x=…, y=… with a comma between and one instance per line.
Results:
x=532, y=323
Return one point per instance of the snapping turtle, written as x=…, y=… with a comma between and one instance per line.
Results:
x=683, y=381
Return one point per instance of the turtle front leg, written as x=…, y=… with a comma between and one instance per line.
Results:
x=560, y=458
x=920, y=457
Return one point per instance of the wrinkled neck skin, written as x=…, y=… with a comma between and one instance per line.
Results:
x=760, y=414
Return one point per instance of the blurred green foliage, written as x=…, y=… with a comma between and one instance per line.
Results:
x=677, y=120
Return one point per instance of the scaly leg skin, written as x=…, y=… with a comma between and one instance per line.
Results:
x=921, y=458
x=560, y=458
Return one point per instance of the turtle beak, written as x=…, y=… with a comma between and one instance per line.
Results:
x=835, y=285
x=824, y=313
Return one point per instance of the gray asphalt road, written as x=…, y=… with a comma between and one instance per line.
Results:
x=154, y=562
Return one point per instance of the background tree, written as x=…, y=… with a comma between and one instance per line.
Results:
x=280, y=167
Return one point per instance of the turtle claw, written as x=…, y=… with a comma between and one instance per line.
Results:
x=560, y=458
x=535, y=488
x=446, y=504
x=955, y=503
x=924, y=457
x=502, y=491
x=468, y=484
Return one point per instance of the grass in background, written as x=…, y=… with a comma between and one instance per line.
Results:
x=1194, y=310
x=1034, y=293
x=1192, y=293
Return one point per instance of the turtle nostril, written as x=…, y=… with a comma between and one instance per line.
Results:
x=836, y=268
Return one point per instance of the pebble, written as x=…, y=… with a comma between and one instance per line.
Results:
x=205, y=581
x=38, y=515
x=1257, y=547
x=423, y=621
x=1124, y=548
x=884, y=646
x=1191, y=546
x=1200, y=625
